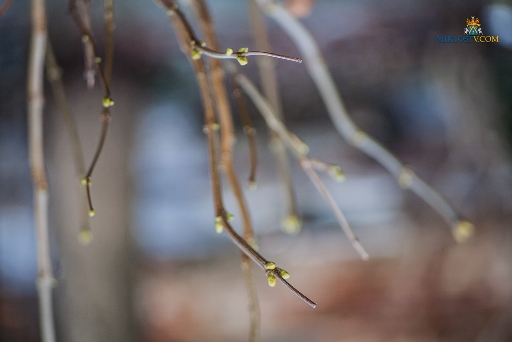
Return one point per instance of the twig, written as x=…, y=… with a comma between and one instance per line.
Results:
x=55, y=78
x=297, y=148
x=250, y=132
x=35, y=105
x=89, y=74
x=291, y=223
x=317, y=68
x=109, y=39
x=185, y=35
x=107, y=101
x=227, y=163
x=5, y=7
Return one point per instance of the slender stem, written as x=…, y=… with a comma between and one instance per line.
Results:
x=55, y=78
x=107, y=102
x=185, y=35
x=89, y=74
x=296, y=147
x=348, y=130
x=268, y=77
x=36, y=152
x=227, y=141
x=249, y=131
x=109, y=39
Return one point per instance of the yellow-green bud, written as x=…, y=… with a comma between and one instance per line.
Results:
x=91, y=213
x=108, y=102
x=85, y=38
x=229, y=51
x=463, y=230
x=337, y=174
x=271, y=280
x=85, y=237
x=83, y=181
x=203, y=44
x=219, y=227
x=196, y=54
x=242, y=60
x=252, y=185
x=269, y=265
x=284, y=274
x=291, y=225
x=244, y=49
x=230, y=217
x=405, y=178
x=97, y=60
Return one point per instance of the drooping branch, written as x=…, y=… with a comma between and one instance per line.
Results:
x=185, y=36
x=300, y=151
x=35, y=104
x=107, y=101
x=316, y=66
x=54, y=75
x=291, y=224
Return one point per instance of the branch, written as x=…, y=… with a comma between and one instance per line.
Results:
x=54, y=75
x=291, y=223
x=300, y=150
x=35, y=105
x=107, y=101
x=185, y=35
x=461, y=230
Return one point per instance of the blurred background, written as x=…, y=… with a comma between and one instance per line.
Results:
x=156, y=270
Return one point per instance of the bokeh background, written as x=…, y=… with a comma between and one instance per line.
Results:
x=156, y=270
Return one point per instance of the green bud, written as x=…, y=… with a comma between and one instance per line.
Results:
x=242, y=60
x=244, y=49
x=271, y=280
x=108, y=102
x=284, y=274
x=337, y=174
x=85, y=237
x=269, y=265
x=291, y=225
x=229, y=51
x=196, y=54
x=463, y=230
x=92, y=213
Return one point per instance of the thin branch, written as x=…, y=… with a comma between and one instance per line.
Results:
x=55, y=78
x=185, y=35
x=250, y=132
x=109, y=39
x=35, y=105
x=5, y=7
x=227, y=142
x=318, y=71
x=266, y=66
x=89, y=74
x=298, y=150
x=107, y=101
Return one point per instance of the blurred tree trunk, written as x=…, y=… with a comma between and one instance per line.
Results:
x=95, y=282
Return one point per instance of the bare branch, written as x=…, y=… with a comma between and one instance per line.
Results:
x=35, y=105
x=317, y=68
x=297, y=147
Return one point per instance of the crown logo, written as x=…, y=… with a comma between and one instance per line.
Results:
x=473, y=27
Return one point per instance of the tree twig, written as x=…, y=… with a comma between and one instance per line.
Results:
x=291, y=224
x=35, y=105
x=317, y=68
x=185, y=36
x=54, y=75
x=306, y=163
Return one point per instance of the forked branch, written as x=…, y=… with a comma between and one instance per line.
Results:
x=461, y=230
x=185, y=36
x=300, y=151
